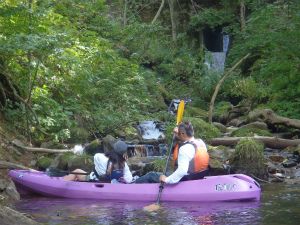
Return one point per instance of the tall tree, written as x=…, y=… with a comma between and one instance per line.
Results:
x=173, y=19
x=242, y=14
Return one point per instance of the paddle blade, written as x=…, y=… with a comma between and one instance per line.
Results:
x=180, y=111
x=55, y=172
x=152, y=207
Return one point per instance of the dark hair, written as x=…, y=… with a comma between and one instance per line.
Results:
x=188, y=127
x=115, y=159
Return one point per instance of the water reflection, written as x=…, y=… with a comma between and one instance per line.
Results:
x=280, y=204
x=74, y=211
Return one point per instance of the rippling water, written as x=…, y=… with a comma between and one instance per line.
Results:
x=280, y=204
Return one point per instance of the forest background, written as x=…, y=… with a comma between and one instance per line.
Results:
x=76, y=68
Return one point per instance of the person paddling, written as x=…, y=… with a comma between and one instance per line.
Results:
x=189, y=158
x=108, y=166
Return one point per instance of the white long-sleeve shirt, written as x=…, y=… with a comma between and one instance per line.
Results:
x=185, y=155
x=100, y=161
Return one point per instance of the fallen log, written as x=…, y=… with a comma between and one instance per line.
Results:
x=9, y=165
x=269, y=117
x=31, y=149
x=270, y=142
x=45, y=150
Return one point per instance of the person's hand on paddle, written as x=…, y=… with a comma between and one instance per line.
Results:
x=175, y=131
x=162, y=178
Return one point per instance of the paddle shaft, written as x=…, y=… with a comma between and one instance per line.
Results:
x=77, y=173
x=55, y=172
x=165, y=171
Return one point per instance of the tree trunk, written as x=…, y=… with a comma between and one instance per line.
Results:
x=242, y=14
x=270, y=142
x=29, y=81
x=173, y=20
x=211, y=106
x=125, y=10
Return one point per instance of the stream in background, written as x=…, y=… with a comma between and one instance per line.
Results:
x=280, y=204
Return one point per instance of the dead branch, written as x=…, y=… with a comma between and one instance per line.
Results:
x=211, y=106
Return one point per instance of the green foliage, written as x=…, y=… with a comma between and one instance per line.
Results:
x=271, y=36
x=221, y=108
x=286, y=108
x=159, y=164
x=248, y=89
x=78, y=68
x=215, y=16
x=78, y=135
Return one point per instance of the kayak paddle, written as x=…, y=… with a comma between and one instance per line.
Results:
x=179, y=117
x=55, y=172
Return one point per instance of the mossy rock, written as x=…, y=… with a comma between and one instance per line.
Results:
x=291, y=150
x=205, y=131
x=215, y=163
x=66, y=156
x=190, y=111
x=44, y=162
x=94, y=147
x=131, y=133
x=250, y=132
x=84, y=162
x=249, y=158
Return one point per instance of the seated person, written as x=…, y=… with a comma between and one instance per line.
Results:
x=189, y=157
x=108, y=166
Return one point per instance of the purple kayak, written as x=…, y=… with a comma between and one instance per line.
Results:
x=235, y=187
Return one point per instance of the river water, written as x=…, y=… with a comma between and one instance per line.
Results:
x=280, y=204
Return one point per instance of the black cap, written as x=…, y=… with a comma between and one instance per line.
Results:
x=120, y=147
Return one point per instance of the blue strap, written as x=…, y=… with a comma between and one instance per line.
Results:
x=115, y=174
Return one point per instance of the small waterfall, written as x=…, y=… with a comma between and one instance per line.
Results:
x=78, y=149
x=147, y=150
x=173, y=106
x=216, y=60
x=150, y=130
x=225, y=42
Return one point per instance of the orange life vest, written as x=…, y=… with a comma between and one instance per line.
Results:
x=199, y=161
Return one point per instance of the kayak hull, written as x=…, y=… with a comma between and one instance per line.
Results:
x=236, y=187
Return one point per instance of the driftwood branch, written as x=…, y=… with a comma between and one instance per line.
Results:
x=256, y=178
x=211, y=106
x=270, y=142
x=159, y=11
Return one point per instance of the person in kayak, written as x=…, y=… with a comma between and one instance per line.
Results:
x=108, y=166
x=190, y=158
